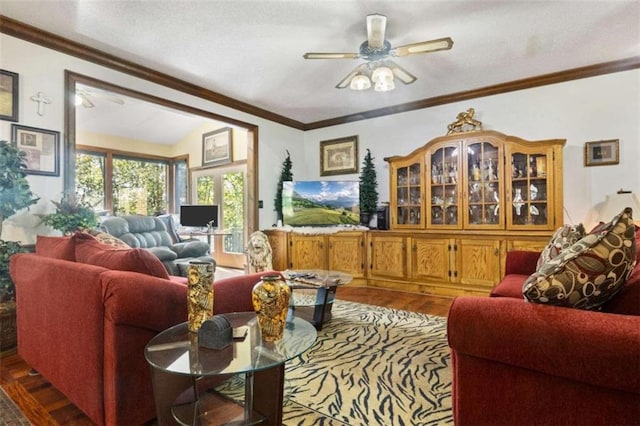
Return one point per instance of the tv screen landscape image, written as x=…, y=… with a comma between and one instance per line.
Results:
x=321, y=203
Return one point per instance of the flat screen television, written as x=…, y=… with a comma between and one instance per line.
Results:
x=321, y=203
x=199, y=215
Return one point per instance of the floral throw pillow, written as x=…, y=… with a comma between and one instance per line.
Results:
x=562, y=239
x=591, y=271
x=109, y=239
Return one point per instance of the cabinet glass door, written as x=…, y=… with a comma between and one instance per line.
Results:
x=444, y=187
x=529, y=189
x=408, y=195
x=483, y=186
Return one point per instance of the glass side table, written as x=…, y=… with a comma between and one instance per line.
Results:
x=178, y=363
x=313, y=292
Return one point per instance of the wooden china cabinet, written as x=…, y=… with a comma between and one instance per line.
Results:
x=458, y=204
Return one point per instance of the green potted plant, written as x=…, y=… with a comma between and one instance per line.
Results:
x=71, y=215
x=285, y=176
x=368, y=190
x=15, y=195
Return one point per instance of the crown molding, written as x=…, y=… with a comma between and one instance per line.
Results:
x=43, y=38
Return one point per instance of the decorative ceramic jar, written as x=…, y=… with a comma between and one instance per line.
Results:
x=200, y=293
x=271, y=302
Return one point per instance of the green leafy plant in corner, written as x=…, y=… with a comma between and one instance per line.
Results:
x=285, y=176
x=15, y=195
x=368, y=189
x=71, y=215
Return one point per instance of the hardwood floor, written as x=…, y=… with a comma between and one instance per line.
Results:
x=43, y=404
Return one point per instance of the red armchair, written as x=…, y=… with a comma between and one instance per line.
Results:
x=523, y=363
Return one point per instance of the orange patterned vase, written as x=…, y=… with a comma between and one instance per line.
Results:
x=200, y=293
x=271, y=302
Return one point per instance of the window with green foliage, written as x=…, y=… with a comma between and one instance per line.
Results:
x=130, y=184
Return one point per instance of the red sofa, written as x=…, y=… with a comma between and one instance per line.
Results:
x=84, y=327
x=520, y=363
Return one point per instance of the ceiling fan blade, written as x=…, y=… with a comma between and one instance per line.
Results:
x=344, y=83
x=400, y=73
x=86, y=102
x=314, y=55
x=376, y=26
x=422, y=47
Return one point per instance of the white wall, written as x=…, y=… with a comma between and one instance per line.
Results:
x=42, y=70
x=597, y=108
x=604, y=107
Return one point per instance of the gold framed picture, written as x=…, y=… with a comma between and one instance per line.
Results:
x=339, y=156
x=217, y=147
x=602, y=153
x=8, y=95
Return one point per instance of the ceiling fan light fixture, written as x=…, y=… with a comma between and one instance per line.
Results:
x=384, y=86
x=382, y=74
x=360, y=82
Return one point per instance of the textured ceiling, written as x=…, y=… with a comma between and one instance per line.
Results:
x=252, y=50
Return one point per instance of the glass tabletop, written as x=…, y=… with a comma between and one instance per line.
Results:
x=315, y=278
x=176, y=350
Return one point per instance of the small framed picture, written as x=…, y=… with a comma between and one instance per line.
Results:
x=8, y=95
x=217, y=147
x=601, y=153
x=42, y=148
x=339, y=156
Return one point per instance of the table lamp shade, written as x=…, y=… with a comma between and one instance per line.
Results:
x=615, y=203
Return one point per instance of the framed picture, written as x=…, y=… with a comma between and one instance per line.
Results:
x=217, y=147
x=42, y=148
x=8, y=96
x=601, y=153
x=339, y=156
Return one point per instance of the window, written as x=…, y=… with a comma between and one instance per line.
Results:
x=126, y=183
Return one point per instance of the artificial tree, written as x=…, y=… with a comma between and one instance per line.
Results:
x=15, y=195
x=285, y=176
x=368, y=189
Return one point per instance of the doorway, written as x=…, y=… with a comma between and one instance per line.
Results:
x=249, y=222
x=225, y=187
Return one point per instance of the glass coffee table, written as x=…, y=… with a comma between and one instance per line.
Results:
x=313, y=292
x=178, y=363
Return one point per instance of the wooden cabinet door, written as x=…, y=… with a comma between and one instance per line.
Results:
x=387, y=256
x=346, y=254
x=278, y=243
x=477, y=262
x=430, y=259
x=307, y=252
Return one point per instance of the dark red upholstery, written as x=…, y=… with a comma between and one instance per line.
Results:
x=84, y=328
x=516, y=362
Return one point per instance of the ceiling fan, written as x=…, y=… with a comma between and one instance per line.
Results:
x=376, y=50
x=86, y=97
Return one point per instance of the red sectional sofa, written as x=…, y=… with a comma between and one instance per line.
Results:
x=521, y=363
x=84, y=327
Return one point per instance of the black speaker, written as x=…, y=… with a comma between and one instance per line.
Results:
x=383, y=217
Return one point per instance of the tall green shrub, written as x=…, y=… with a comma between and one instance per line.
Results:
x=285, y=176
x=15, y=193
x=368, y=185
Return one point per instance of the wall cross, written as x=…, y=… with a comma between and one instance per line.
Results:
x=42, y=100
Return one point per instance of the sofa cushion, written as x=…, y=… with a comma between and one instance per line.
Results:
x=163, y=253
x=191, y=249
x=108, y=239
x=63, y=248
x=562, y=239
x=591, y=271
x=510, y=286
x=91, y=251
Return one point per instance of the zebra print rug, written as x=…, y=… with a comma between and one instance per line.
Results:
x=369, y=366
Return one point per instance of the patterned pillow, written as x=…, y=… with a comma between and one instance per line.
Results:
x=564, y=237
x=591, y=271
x=108, y=239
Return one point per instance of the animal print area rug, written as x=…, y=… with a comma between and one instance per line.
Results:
x=369, y=366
